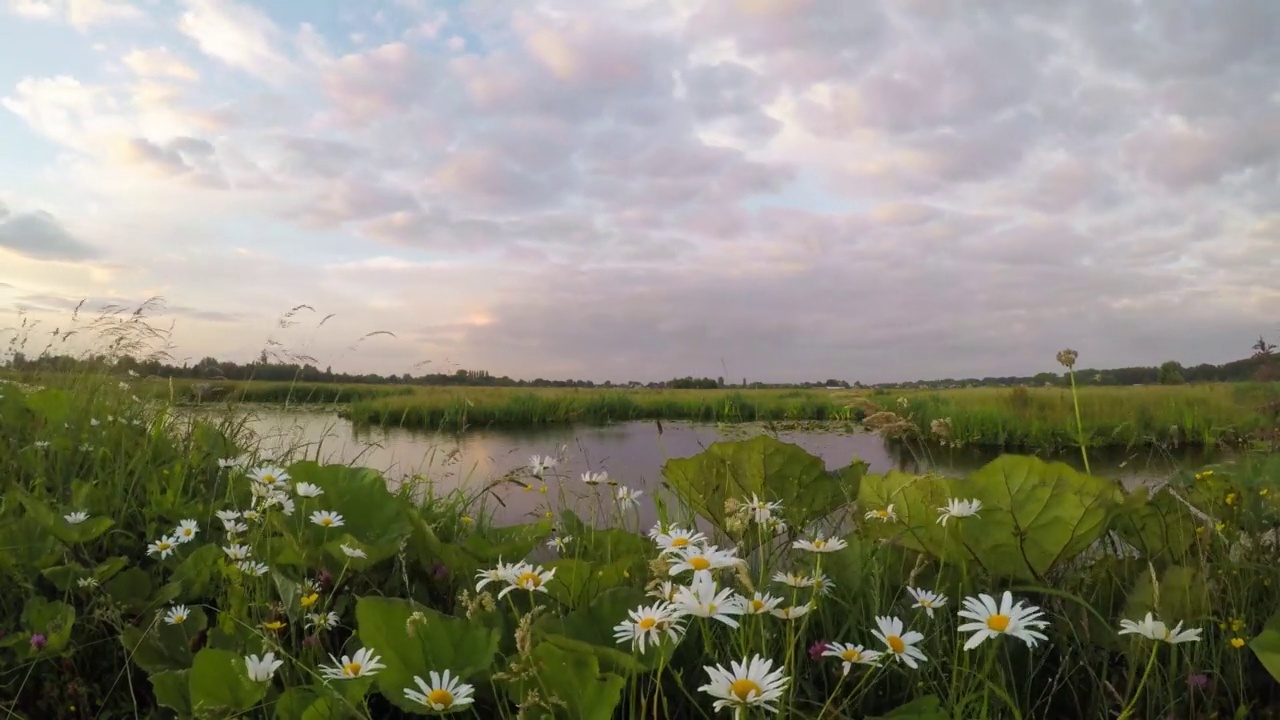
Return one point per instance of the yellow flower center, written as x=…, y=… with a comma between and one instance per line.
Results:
x=699, y=563
x=273, y=625
x=647, y=623
x=882, y=514
x=757, y=605
x=998, y=623
x=744, y=688
x=326, y=521
x=179, y=618
x=269, y=479
x=851, y=655
x=309, y=600
x=529, y=580
x=925, y=603
x=440, y=697
x=1168, y=634
x=352, y=669
x=895, y=644
x=679, y=542
x=819, y=544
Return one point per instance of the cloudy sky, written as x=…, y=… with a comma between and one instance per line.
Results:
x=871, y=190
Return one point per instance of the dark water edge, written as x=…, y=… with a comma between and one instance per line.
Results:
x=632, y=453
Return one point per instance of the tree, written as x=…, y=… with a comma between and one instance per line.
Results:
x=1171, y=373
x=1262, y=348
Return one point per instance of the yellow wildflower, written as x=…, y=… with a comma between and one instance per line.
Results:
x=274, y=625
x=1231, y=498
x=1237, y=643
x=309, y=600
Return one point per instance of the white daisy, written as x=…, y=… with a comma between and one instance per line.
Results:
x=791, y=613
x=228, y=462
x=261, y=669
x=747, y=684
x=703, y=559
x=819, y=544
x=362, y=664
x=326, y=518
x=353, y=552
x=675, y=539
x=958, y=509
x=237, y=552
x=227, y=516
x=445, y=693
x=531, y=577
x=703, y=599
x=649, y=624
x=540, y=465
x=177, y=615
x=251, y=515
x=268, y=477
x=186, y=531
x=850, y=655
x=590, y=478
x=794, y=580
x=323, y=621
x=1153, y=629
x=503, y=572
x=307, y=490
x=762, y=512
x=900, y=644
x=664, y=590
x=991, y=620
x=559, y=544
x=76, y=517
x=250, y=567
x=628, y=498
x=928, y=600
x=234, y=527
x=886, y=515
x=761, y=603
x=87, y=582
x=162, y=547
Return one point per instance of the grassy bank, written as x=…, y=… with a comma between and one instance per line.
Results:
x=458, y=408
x=126, y=595
x=186, y=391
x=1111, y=416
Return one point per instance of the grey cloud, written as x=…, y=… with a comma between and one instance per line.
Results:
x=90, y=305
x=190, y=159
x=39, y=235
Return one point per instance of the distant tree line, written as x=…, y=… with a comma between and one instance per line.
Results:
x=1263, y=364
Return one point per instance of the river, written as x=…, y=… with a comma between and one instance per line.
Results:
x=632, y=453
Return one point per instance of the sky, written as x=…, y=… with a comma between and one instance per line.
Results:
x=781, y=190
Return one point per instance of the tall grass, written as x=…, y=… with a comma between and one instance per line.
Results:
x=1046, y=418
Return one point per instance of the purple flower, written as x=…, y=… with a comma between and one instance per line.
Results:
x=38, y=642
x=1198, y=681
x=311, y=641
x=816, y=650
x=440, y=572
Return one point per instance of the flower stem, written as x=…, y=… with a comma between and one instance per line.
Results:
x=1128, y=710
x=1075, y=400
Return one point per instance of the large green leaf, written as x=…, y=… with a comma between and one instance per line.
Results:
x=572, y=680
x=1162, y=527
x=371, y=513
x=576, y=581
x=1267, y=646
x=199, y=574
x=1182, y=595
x=413, y=640
x=220, y=684
x=772, y=469
x=159, y=646
x=590, y=629
x=173, y=691
x=923, y=708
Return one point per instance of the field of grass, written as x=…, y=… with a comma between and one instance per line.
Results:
x=156, y=566
x=457, y=408
x=185, y=391
x=1043, y=418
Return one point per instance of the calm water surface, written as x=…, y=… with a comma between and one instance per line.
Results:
x=632, y=453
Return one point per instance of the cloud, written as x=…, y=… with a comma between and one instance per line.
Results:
x=39, y=235
x=83, y=15
x=783, y=189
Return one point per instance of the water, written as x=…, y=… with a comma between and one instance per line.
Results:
x=632, y=453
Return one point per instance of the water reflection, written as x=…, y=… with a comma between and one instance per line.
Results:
x=632, y=453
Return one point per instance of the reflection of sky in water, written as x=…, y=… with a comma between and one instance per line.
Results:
x=632, y=453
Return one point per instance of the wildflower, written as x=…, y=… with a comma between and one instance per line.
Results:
x=326, y=518
x=791, y=613
x=531, y=578
x=887, y=515
x=590, y=478
x=1153, y=629
x=822, y=585
x=675, y=539
x=649, y=624
x=307, y=490
x=40, y=445
x=248, y=567
x=1237, y=624
x=227, y=516
x=793, y=579
x=322, y=621
x=664, y=591
x=1198, y=681
x=959, y=509
x=94, y=422
x=703, y=560
x=308, y=600
x=177, y=615
x=761, y=603
x=747, y=684
x=228, y=462
x=559, y=543
x=353, y=552
x=702, y=599
x=445, y=693
x=762, y=512
x=237, y=552
x=274, y=625
x=850, y=655
x=540, y=465
x=628, y=498
x=503, y=572
x=1067, y=358
x=1264, y=491
x=268, y=477
x=251, y=515
x=261, y=669
x=816, y=650
x=928, y=600
x=186, y=531
x=362, y=664
x=820, y=545
x=87, y=582
x=1007, y=618
x=1237, y=642
x=76, y=517
x=162, y=547
x=900, y=644
x=38, y=641
x=234, y=527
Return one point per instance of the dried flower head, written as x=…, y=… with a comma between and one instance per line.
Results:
x=1067, y=358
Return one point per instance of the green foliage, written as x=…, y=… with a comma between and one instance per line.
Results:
x=219, y=686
